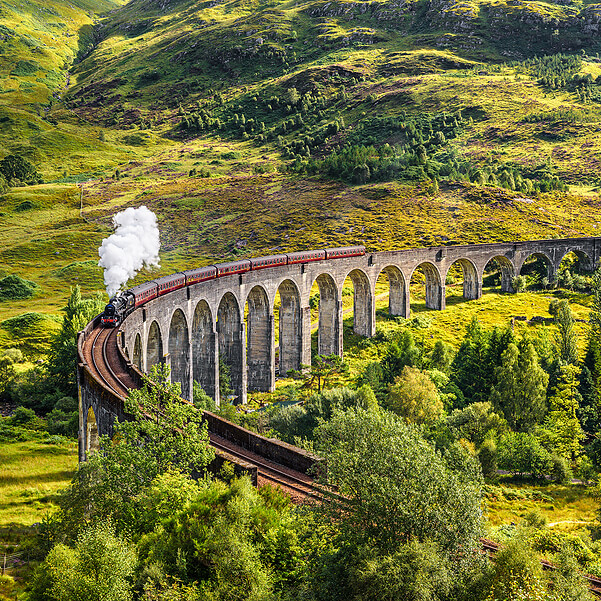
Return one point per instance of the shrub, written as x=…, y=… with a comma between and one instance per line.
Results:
x=13, y=287
x=17, y=169
x=488, y=458
x=14, y=355
x=559, y=469
x=522, y=453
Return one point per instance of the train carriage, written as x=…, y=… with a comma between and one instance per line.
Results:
x=143, y=293
x=224, y=269
x=201, y=274
x=269, y=261
x=345, y=251
x=306, y=256
x=169, y=283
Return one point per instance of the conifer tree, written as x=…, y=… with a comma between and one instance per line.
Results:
x=521, y=387
x=562, y=433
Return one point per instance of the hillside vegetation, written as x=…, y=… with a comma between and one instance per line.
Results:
x=254, y=127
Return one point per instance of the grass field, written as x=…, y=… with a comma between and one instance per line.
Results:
x=31, y=473
x=566, y=508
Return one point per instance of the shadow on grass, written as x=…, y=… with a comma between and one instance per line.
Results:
x=59, y=476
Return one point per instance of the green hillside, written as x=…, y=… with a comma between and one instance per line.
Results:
x=252, y=127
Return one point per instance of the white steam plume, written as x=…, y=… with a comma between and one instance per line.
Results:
x=135, y=244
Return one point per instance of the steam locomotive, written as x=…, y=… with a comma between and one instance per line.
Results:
x=123, y=303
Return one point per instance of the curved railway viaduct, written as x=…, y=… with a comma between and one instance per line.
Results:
x=233, y=318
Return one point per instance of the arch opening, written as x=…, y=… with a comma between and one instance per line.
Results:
x=572, y=271
x=391, y=279
x=426, y=284
x=537, y=271
x=231, y=348
x=92, y=438
x=358, y=285
x=499, y=272
x=137, y=355
x=329, y=306
x=462, y=275
x=289, y=328
x=204, y=351
x=154, y=346
x=179, y=352
x=260, y=341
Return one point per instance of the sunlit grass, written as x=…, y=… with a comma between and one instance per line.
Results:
x=31, y=473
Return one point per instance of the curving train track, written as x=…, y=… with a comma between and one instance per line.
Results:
x=101, y=353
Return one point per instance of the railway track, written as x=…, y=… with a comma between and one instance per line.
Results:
x=298, y=484
x=102, y=356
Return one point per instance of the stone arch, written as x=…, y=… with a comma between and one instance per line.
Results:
x=290, y=327
x=91, y=432
x=584, y=260
x=397, y=294
x=260, y=341
x=204, y=351
x=329, y=333
x=363, y=304
x=507, y=272
x=435, y=298
x=137, y=355
x=179, y=352
x=547, y=260
x=154, y=346
x=231, y=342
x=472, y=285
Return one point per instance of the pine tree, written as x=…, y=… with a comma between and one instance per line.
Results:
x=562, y=433
x=520, y=391
x=566, y=338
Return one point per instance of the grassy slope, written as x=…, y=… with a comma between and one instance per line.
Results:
x=30, y=474
x=148, y=57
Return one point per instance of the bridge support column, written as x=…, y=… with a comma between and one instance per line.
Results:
x=329, y=335
x=304, y=341
x=340, y=330
x=291, y=329
x=231, y=332
x=364, y=313
x=260, y=347
x=406, y=304
x=435, y=296
x=205, y=351
x=398, y=295
x=241, y=390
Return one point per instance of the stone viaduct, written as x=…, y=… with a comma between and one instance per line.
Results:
x=233, y=317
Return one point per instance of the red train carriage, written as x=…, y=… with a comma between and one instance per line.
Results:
x=306, y=256
x=269, y=261
x=346, y=251
x=201, y=274
x=169, y=283
x=143, y=293
x=224, y=269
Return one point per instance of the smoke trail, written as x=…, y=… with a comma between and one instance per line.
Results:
x=135, y=244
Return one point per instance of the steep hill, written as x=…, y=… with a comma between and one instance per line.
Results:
x=255, y=126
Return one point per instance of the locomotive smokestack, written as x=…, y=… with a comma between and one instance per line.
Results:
x=134, y=245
